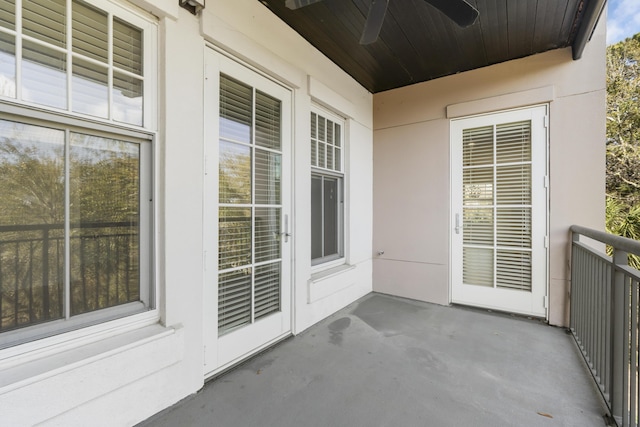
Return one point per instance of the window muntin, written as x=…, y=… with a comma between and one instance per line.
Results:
x=91, y=64
x=327, y=188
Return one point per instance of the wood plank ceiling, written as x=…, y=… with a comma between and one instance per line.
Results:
x=418, y=43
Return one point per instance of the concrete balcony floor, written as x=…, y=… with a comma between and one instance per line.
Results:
x=386, y=361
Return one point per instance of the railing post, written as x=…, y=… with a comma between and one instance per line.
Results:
x=573, y=315
x=45, y=272
x=618, y=331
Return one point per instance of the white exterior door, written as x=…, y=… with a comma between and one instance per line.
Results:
x=247, y=212
x=499, y=211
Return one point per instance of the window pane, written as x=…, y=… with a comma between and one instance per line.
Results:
x=314, y=125
x=477, y=146
x=44, y=79
x=90, y=90
x=267, y=121
x=267, y=293
x=478, y=226
x=513, y=227
x=314, y=153
x=236, y=105
x=513, y=270
x=513, y=184
x=513, y=142
x=234, y=173
x=8, y=14
x=90, y=31
x=330, y=158
x=331, y=220
x=31, y=224
x=7, y=65
x=234, y=300
x=316, y=217
x=127, y=47
x=267, y=234
x=234, y=237
x=477, y=187
x=127, y=99
x=322, y=134
x=105, y=222
x=478, y=266
x=267, y=177
x=322, y=155
x=338, y=135
x=45, y=20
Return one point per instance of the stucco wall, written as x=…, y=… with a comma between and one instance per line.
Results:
x=129, y=372
x=412, y=165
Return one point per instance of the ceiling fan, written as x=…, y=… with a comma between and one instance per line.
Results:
x=459, y=11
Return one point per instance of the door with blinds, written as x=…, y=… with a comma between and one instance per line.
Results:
x=499, y=211
x=247, y=216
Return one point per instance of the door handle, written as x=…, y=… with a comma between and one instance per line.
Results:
x=285, y=232
x=458, y=226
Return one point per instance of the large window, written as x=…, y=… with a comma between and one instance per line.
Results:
x=75, y=189
x=327, y=188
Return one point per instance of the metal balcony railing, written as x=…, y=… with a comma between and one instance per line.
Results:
x=102, y=263
x=605, y=318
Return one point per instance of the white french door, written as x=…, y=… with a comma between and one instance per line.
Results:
x=247, y=212
x=499, y=211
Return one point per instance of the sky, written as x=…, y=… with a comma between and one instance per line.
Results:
x=623, y=20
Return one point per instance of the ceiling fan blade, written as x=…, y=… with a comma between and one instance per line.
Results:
x=297, y=4
x=459, y=11
x=375, y=18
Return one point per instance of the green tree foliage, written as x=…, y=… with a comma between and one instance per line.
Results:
x=623, y=139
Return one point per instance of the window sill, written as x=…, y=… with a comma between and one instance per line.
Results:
x=88, y=358
x=321, y=285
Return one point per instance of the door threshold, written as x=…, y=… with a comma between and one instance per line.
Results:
x=501, y=313
x=218, y=372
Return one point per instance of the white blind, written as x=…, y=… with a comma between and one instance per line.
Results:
x=250, y=211
x=497, y=205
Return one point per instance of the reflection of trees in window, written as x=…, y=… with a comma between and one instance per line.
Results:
x=102, y=181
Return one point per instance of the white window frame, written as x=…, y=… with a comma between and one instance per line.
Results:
x=339, y=259
x=78, y=328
